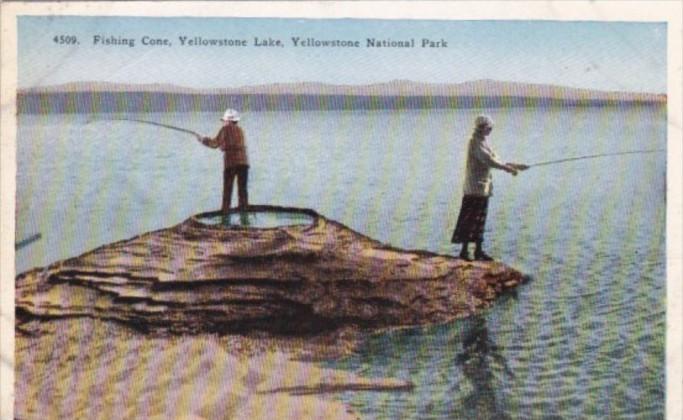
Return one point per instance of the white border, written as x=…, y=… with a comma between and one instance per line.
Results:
x=567, y=10
x=643, y=11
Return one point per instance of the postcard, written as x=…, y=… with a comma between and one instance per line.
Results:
x=363, y=210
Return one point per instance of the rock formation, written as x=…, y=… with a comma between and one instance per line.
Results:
x=295, y=279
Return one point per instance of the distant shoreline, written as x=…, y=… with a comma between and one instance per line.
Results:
x=101, y=97
x=134, y=102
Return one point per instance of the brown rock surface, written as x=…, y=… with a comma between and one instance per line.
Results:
x=299, y=279
x=81, y=368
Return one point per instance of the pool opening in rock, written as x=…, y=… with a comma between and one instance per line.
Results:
x=256, y=219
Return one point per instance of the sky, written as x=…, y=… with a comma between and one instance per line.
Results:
x=624, y=56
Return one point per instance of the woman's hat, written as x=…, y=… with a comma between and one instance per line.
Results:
x=483, y=121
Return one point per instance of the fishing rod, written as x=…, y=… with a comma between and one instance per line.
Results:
x=549, y=162
x=171, y=127
x=631, y=152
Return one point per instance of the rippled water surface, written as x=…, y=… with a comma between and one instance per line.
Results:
x=584, y=338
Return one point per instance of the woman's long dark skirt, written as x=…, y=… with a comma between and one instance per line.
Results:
x=472, y=219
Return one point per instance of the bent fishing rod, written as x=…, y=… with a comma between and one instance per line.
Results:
x=171, y=127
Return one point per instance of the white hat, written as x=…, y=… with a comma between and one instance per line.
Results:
x=231, y=115
x=483, y=121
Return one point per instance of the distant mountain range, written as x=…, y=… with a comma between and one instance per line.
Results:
x=397, y=94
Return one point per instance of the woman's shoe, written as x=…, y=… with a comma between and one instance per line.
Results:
x=482, y=256
x=465, y=256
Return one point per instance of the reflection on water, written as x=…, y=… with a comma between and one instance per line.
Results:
x=459, y=369
x=479, y=361
x=257, y=219
x=242, y=219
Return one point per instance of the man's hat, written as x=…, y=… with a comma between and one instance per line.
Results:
x=231, y=115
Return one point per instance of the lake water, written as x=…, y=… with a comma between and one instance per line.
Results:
x=256, y=219
x=584, y=338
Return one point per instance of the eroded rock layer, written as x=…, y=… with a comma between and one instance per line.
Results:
x=292, y=279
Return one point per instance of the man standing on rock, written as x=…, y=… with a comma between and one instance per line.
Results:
x=231, y=141
x=477, y=189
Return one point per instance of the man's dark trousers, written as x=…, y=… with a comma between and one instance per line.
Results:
x=229, y=174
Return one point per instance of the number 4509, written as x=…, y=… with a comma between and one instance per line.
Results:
x=65, y=39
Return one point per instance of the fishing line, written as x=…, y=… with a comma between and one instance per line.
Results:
x=630, y=152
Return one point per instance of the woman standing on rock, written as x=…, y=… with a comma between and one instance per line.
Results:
x=477, y=189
